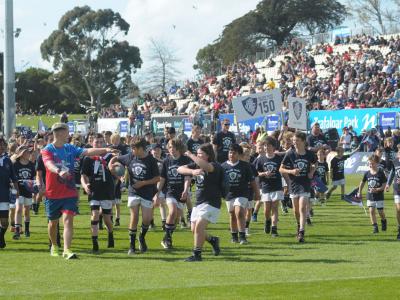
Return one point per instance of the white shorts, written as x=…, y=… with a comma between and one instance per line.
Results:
x=396, y=199
x=304, y=195
x=12, y=205
x=24, y=201
x=375, y=204
x=104, y=204
x=137, y=200
x=4, y=206
x=117, y=201
x=161, y=197
x=206, y=212
x=272, y=197
x=240, y=201
x=171, y=200
x=339, y=182
x=250, y=204
x=284, y=183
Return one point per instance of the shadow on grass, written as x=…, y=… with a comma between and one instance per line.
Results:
x=228, y=258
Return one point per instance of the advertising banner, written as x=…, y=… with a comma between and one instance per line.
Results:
x=359, y=119
x=388, y=119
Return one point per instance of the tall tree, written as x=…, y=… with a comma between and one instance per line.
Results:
x=85, y=46
x=209, y=61
x=36, y=92
x=370, y=12
x=273, y=20
x=162, y=71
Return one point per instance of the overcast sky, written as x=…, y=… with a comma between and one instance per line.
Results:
x=186, y=25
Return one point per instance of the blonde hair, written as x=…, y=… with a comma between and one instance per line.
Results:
x=115, y=136
x=387, y=140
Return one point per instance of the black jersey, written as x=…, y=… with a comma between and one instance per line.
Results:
x=39, y=166
x=7, y=175
x=239, y=176
x=389, y=156
x=193, y=145
x=250, y=189
x=337, y=167
x=174, y=181
x=375, y=181
x=316, y=141
x=77, y=169
x=101, y=181
x=208, y=186
x=140, y=169
x=321, y=171
x=24, y=172
x=273, y=182
x=394, y=176
x=292, y=160
x=223, y=141
x=122, y=148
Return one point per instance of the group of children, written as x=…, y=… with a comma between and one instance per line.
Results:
x=272, y=173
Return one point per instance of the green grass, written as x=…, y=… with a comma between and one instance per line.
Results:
x=32, y=121
x=341, y=259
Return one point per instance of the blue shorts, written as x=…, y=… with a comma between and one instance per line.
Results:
x=56, y=207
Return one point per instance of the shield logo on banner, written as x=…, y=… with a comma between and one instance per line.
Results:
x=297, y=108
x=138, y=170
x=250, y=105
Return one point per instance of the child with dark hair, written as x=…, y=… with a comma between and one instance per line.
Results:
x=376, y=181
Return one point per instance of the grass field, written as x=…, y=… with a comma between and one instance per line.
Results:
x=341, y=259
x=32, y=121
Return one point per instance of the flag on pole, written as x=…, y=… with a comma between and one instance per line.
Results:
x=42, y=128
x=353, y=198
x=318, y=185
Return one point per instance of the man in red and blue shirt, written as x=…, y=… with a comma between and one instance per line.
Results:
x=61, y=192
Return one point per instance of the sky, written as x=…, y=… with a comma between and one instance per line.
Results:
x=184, y=25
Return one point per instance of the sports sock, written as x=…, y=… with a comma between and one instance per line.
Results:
x=132, y=237
x=27, y=226
x=242, y=235
x=234, y=235
x=144, y=230
x=247, y=224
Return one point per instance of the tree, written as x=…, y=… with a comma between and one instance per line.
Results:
x=209, y=61
x=85, y=48
x=162, y=71
x=369, y=12
x=272, y=20
x=35, y=91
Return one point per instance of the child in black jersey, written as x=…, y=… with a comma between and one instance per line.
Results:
x=299, y=163
x=260, y=150
x=143, y=178
x=250, y=204
x=376, y=181
x=337, y=171
x=321, y=171
x=271, y=185
x=98, y=183
x=389, y=153
x=208, y=174
x=177, y=187
x=239, y=174
x=394, y=177
x=25, y=171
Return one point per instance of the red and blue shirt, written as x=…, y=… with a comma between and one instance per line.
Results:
x=64, y=158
